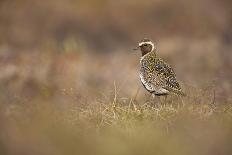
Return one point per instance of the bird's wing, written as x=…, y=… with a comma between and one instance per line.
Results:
x=167, y=77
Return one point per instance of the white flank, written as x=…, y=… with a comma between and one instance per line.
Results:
x=147, y=85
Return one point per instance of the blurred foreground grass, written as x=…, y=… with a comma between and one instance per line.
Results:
x=116, y=126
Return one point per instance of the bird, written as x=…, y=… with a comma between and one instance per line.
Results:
x=156, y=75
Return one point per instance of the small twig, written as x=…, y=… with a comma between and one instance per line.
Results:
x=214, y=98
x=115, y=94
x=132, y=99
x=115, y=100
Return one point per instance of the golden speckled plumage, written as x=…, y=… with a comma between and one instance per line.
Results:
x=156, y=75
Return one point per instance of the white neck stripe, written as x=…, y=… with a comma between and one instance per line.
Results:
x=148, y=42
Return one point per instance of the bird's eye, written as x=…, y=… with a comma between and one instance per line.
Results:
x=145, y=45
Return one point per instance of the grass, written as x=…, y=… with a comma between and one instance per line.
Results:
x=117, y=125
x=58, y=103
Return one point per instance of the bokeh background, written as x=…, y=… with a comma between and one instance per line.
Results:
x=87, y=45
x=63, y=52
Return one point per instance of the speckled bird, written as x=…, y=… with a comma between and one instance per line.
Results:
x=156, y=75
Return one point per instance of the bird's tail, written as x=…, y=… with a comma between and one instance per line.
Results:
x=177, y=92
x=181, y=93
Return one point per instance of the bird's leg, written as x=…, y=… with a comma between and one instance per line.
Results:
x=154, y=99
x=148, y=98
x=160, y=101
x=165, y=99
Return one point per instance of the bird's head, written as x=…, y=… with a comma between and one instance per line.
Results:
x=146, y=46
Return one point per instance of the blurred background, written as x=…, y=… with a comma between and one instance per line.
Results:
x=69, y=54
x=86, y=45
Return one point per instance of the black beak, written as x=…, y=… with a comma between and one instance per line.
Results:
x=135, y=49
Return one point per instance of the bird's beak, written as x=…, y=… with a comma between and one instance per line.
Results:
x=135, y=49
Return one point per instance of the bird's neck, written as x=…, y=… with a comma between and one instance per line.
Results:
x=148, y=53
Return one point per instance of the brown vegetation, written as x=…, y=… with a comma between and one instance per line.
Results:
x=69, y=79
